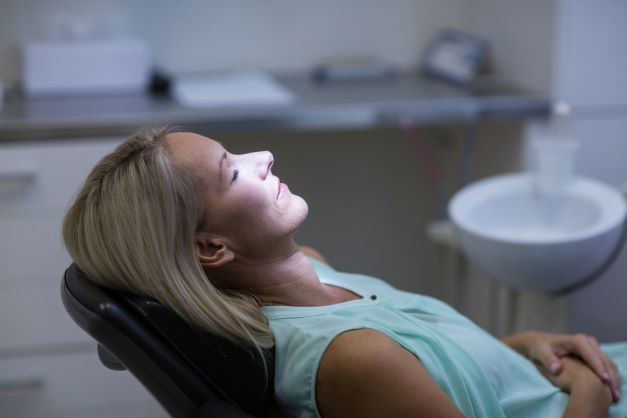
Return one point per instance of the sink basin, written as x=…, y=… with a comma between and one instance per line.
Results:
x=538, y=242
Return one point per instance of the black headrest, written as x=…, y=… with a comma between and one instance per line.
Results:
x=235, y=371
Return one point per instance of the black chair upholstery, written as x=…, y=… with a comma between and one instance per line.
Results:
x=190, y=372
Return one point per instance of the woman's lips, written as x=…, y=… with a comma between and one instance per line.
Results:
x=282, y=186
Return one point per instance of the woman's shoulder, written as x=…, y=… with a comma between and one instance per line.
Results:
x=301, y=340
x=358, y=346
x=353, y=368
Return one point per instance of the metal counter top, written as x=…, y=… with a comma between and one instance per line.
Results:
x=318, y=106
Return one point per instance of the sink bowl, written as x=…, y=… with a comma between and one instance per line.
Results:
x=538, y=242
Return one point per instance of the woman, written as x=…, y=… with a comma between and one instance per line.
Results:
x=175, y=216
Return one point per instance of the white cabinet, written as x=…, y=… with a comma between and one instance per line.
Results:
x=48, y=365
x=42, y=176
x=72, y=384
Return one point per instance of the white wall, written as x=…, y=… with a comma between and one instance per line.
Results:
x=272, y=34
x=521, y=35
x=591, y=74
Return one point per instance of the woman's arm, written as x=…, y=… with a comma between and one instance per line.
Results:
x=364, y=373
x=589, y=396
x=586, y=402
x=547, y=349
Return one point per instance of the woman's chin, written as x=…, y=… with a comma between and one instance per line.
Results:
x=304, y=208
x=299, y=212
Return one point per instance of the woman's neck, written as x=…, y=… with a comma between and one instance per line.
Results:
x=286, y=278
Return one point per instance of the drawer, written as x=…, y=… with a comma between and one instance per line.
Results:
x=34, y=317
x=128, y=410
x=69, y=385
x=38, y=177
x=31, y=249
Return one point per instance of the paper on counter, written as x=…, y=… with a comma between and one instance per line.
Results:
x=231, y=89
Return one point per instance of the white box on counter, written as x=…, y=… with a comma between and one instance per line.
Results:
x=80, y=67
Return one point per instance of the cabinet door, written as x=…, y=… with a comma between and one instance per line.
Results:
x=35, y=319
x=42, y=177
x=69, y=385
x=31, y=251
x=48, y=365
x=37, y=183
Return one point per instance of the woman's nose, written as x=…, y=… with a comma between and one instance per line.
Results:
x=264, y=162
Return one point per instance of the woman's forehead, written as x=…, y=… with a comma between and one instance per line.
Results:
x=191, y=149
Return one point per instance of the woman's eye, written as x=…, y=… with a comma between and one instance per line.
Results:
x=235, y=175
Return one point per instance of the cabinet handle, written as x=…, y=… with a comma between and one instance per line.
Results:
x=18, y=173
x=21, y=386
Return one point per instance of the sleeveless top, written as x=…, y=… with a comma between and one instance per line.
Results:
x=479, y=373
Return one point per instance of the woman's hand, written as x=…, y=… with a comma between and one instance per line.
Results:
x=589, y=396
x=574, y=373
x=549, y=350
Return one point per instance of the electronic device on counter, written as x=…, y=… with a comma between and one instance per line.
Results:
x=455, y=57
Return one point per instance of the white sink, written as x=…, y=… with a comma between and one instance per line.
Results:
x=533, y=241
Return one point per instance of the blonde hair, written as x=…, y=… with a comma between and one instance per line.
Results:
x=132, y=227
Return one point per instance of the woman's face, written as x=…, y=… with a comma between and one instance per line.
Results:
x=246, y=204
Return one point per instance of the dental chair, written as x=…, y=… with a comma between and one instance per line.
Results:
x=193, y=374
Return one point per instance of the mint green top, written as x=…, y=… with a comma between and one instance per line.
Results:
x=479, y=373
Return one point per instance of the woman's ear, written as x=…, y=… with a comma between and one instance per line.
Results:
x=213, y=252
